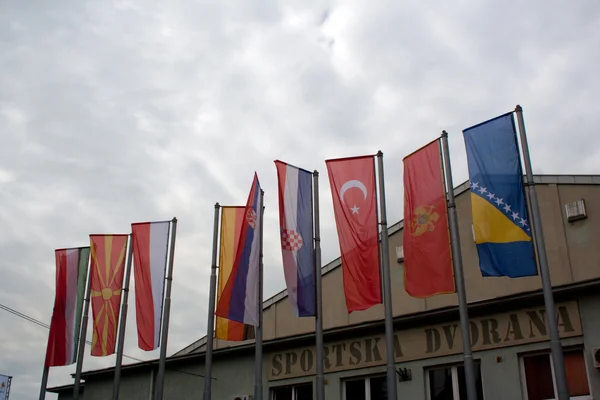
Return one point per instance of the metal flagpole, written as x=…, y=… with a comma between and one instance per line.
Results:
x=258, y=390
x=44, y=384
x=160, y=382
x=211, y=309
x=83, y=333
x=459, y=278
x=319, y=291
x=387, y=288
x=538, y=235
x=123, y=322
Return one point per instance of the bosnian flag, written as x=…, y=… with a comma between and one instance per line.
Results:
x=149, y=241
x=296, y=229
x=239, y=299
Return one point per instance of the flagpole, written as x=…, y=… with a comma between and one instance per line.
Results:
x=459, y=277
x=538, y=235
x=387, y=287
x=44, y=384
x=123, y=322
x=83, y=333
x=258, y=390
x=319, y=293
x=211, y=309
x=165, y=322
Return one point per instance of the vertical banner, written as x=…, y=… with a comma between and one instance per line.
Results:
x=501, y=222
x=296, y=234
x=150, y=241
x=239, y=299
x=232, y=219
x=353, y=189
x=71, y=277
x=427, y=252
x=107, y=270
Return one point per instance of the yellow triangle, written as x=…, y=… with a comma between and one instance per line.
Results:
x=492, y=226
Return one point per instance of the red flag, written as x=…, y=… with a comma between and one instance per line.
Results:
x=427, y=253
x=352, y=182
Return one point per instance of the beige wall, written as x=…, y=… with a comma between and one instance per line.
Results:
x=573, y=252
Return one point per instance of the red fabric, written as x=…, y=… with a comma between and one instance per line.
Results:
x=144, y=301
x=56, y=352
x=427, y=254
x=107, y=271
x=356, y=220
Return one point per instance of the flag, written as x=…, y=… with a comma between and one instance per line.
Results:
x=239, y=299
x=150, y=241
x=71, y=276
x=352, y=182
x=426, y=240
x=231, y=228
x=107, y=270
x=498, y=205
x=296, y=233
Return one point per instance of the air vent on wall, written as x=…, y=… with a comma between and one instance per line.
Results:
x=575, y=210
x=400, y=253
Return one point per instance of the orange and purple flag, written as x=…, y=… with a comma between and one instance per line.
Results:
x=232, y=219
x=428, y=266
x=107, y=270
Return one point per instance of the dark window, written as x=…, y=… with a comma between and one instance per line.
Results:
x=368, y=388
x=449, y=383
x=303, y=391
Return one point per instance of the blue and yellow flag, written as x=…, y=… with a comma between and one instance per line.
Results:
x=500, y=219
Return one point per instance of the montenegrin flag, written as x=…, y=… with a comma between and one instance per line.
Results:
x=150, y=242
x=71, y=277
x=296, y=231
x=232, y=219
x=427, y=252
x=239, y=299
x=352, y=182
x=500, y=219
x=107, y=270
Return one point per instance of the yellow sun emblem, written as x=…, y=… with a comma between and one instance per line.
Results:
x=424, y=220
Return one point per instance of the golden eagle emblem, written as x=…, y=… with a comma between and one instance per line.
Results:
x=424, y=220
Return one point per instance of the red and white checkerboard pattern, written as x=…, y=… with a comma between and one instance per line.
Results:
x=291, y=240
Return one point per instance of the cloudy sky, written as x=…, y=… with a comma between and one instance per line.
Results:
x=120, y=111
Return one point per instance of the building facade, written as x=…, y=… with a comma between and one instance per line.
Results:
x=509, y=334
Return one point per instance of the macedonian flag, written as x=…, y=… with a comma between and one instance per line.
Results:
x=107, y=269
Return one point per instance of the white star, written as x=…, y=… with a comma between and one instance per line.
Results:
x=507, y=208
x=499, y=201
x=523, y=222
x=355, y=209
x=491, y=195
x=475, y=185
x=483, y=190
x=515, y=215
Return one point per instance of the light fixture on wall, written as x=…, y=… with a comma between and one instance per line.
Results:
x=404, y=374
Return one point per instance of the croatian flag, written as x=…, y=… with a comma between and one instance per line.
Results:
x=296, y=229
x=239, y=299
x=149, y=241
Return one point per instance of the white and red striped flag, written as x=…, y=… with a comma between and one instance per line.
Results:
x=150, y=242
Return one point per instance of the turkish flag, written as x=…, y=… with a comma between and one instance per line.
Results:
x=352, y=182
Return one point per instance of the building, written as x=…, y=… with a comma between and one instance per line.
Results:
x=509, y=336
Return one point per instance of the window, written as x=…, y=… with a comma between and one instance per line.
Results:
x=448, y=383
x=539, y=376
x=369, y=388
x=303, y=391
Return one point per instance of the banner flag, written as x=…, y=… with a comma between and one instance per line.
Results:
x=353, y=189
x=107, y=270
x=427, y=249
x=498, y=204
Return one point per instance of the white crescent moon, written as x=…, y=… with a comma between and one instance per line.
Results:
x=353, y=184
